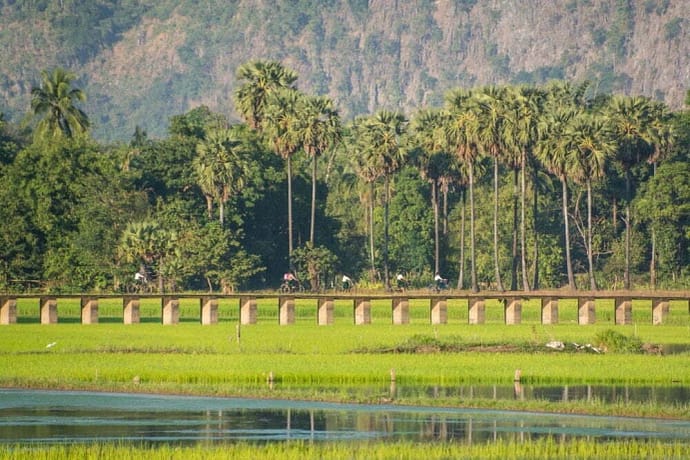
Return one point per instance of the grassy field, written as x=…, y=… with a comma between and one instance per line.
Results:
x=353, y=363
x=508, y=450
x=342, y=361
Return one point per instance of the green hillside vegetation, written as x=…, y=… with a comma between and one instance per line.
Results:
x=143, y=61
x=502, y=187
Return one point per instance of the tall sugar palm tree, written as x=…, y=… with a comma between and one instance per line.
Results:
x=631, y=119
x=54, y=101
x=490, y=103
x=369, y=172
x=552, y=151
x=319, y=129
x=281, y=127
x=460, y=133
x=220, y=168
x=433, y=161
x=663, y=133
x=525, y=107
x=591, y=144
x=261, y=79
x=383, y=138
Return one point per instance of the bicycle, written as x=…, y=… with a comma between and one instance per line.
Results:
x=140, y=287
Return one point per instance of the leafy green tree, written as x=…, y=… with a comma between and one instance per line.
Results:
x=220, y=166
x=54, y=102
x=316, y=262
x=411, y=241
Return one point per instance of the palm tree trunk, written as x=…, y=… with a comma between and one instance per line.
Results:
x=590, y=259
x=473, y=260
x=385, y=234
x=313, y=200
x=626, y=274
x=461, y=271
x=371, y=230
x=535, y=220
x=289, y=197
x=566, y=231
x=652, y=261
x=523, y=193
x=221, y=211
x=499, y=284
x=445, y=209
x=434, y=203
x=515, y=258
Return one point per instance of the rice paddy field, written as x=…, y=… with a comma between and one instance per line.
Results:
x=351, y=363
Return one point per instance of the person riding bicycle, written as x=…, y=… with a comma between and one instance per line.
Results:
x=291, y=281
x=346, y=283
x=400, y=282
x=439, y=282
x=140, y=277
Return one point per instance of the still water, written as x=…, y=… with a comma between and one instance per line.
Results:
x=55, y=417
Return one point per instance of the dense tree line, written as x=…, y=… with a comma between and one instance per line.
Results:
x=502, y=187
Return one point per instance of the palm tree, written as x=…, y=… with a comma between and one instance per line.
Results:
x=261, y=79
x=54, y=101
x=432, y=160
x=220, y=168
x=590, y=142
x=663, y=132
x=631, y=119
x=492, y=117
x=280, y=126
x=382, y=138
x=460, y=133
x=367, y=170
x=526, y=107
x=319, y=129
x=552, y=151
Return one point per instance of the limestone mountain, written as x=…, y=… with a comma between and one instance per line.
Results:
x=143, y=61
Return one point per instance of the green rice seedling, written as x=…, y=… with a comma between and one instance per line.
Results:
x=544, y=447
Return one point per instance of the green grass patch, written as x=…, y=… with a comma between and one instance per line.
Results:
x=546, y=447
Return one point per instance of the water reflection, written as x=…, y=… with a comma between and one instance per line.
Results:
x=68, y=417
x=608, y=394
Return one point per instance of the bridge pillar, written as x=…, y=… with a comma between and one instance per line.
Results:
x=549, y=310
x=362, y=311
x=247, y=310
x=512, y=311
x=477, y=310
x=623, y=313
x=439, y=310
x=586, y=312
x=209, y=310
x=171, y=310
x=325, y=311
x=8, y=310
x=48, y=310
x=401, y=310
x=287, y=310
x=130, y=310
x=89, y=310
x=660, y=309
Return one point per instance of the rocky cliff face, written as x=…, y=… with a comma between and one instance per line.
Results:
x=366, y=55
